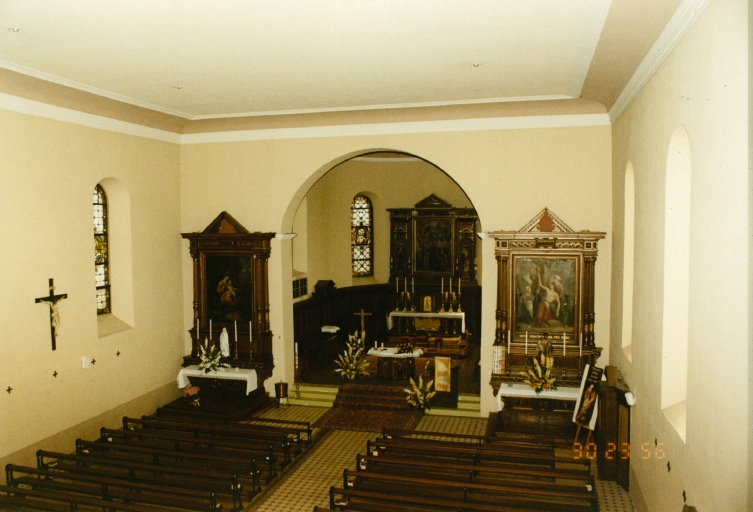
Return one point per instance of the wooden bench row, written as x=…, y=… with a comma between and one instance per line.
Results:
x=400, y=472
x=159, y=463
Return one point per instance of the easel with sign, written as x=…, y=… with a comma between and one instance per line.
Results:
x=586, y=407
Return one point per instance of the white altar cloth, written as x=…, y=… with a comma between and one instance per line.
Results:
x=227, y=373
x=524, y=390
x=418, y=314
x=392, y=352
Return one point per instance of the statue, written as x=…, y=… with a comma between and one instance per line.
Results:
x=224, y=343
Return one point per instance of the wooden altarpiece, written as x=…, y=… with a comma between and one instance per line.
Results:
x=545, y=296
x=231, y=290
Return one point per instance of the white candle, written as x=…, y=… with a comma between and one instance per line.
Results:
x=210, y=329
x=397, y=285
x=375, y=344
x=443, y=286
x=197, y=331
x=450, y=286
x=459, y=281
x=580, y=345
x=236, y=330
x=564, y=344
x=405, y=284
x=526, y=342
x=250, y=332
x=508, y=344
x=382, y=344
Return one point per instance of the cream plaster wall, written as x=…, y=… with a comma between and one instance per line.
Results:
x=48, y=170
x=508, y=175
x=701, y=87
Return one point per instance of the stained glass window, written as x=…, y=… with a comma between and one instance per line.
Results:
x=361, y=241
x=101, y=251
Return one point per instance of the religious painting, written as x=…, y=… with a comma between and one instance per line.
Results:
x=585, y=412
x=433, y=245
x=442, y=366
x=545, y=295
x=427, y=304
x=229, y=288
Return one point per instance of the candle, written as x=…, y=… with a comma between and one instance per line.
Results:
x=450, y=286
x=397, y=285
x=405, y=284
x=580, y=345
x=443, y=286
x=508, y=341
x=526, y=342
x=210, y=329
x=375, y=344
x=236, y=330
x=382, y=344
x=459, y=281
x=197, y=331
x=412, y=286
x=564, y=344
x=250, y=332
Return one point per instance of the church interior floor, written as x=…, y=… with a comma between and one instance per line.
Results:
x=307, y=483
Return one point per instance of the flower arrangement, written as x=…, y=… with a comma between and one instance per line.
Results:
x=191, y=395
x=210, y=357
x=351, y=363
x=540, y=377
x=420, y=396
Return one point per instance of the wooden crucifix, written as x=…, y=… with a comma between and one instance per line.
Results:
x=52, y=300
x=363, y=316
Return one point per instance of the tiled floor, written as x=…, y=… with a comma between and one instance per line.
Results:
x=307, y=484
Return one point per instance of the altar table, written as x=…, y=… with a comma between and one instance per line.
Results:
x=524, y=391
x=228, y=374
x=460, y=315
x=394, y=366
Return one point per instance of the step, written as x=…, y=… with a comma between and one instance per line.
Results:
x=315, y=395
x=468, y=406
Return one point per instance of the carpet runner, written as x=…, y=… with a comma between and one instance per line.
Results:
x=370, y=407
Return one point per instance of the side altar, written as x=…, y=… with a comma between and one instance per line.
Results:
x=231, y=294
x=545, y=295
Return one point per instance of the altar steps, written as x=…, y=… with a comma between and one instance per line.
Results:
x=313, y=395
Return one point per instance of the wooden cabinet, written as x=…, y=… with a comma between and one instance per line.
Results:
x=613, y=429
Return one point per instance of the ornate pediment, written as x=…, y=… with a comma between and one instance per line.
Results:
x=432, y=201
x=546, y=222
x=224, y=224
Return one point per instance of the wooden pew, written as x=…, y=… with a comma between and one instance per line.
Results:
x=367, y=501
x=188, y=444
x=234, y=431
x=299, y=428
x=57, y=501
x=242, y=465
x=111, y=488
x=217, y=481
x=472, y=472
x=474, y=453
x=546, y=497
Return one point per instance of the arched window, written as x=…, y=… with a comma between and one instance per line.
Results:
x=101, y=251
x=628, y=264
x=677, y=213
x=361, y=241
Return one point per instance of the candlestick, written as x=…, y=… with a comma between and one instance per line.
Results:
x=236, y=329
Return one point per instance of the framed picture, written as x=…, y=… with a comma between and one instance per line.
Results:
x=433, y=246
x=427, y=304
x=442, y=366
x=545, y=295
x=229, y=287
